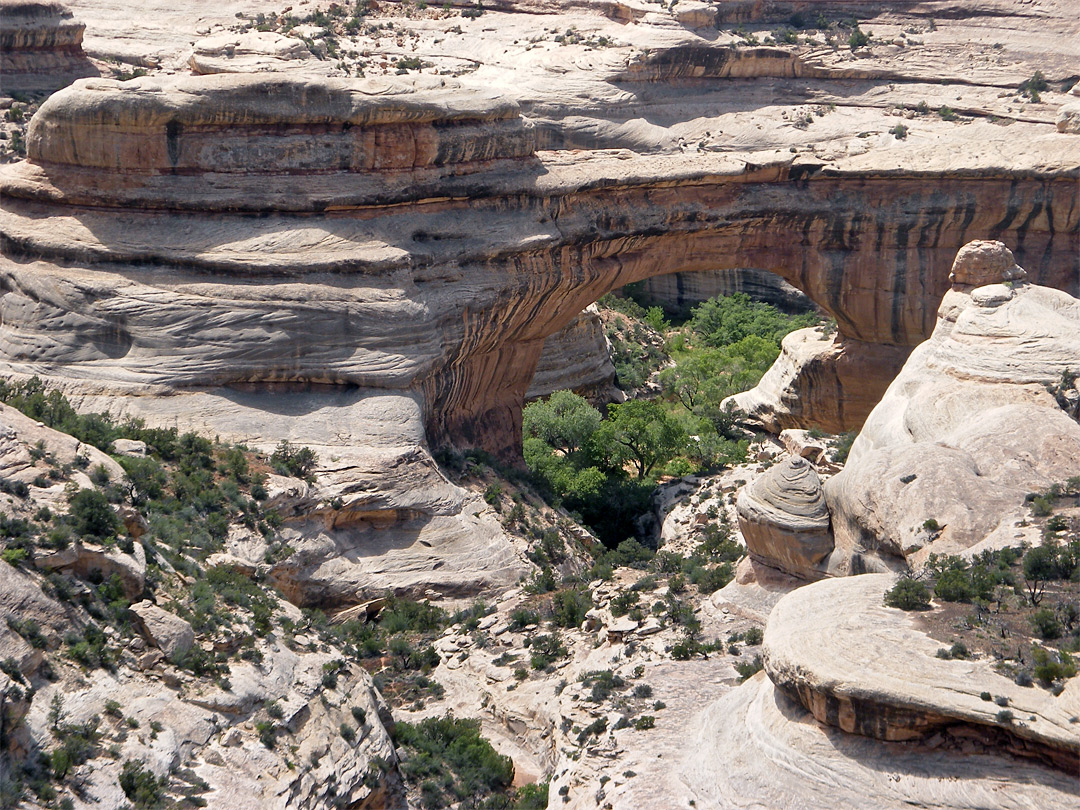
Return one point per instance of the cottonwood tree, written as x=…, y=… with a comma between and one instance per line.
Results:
x=640, y=432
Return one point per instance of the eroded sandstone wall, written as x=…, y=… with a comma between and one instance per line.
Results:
x=443, y=250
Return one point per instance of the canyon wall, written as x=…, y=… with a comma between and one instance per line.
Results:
x=446, y=249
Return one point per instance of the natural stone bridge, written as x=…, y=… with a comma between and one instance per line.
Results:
x=203, y=233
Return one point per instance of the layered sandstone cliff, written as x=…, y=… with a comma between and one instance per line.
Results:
x=40, y=47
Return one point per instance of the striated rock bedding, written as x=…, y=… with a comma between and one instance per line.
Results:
x=784, y=519
x=40, y=47
x=978, y=417
x=404, y=177
x=868, y=670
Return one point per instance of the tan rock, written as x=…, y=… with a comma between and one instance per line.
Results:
x=801, y=443
x=985, y=262
x=784, y=519
x=772, y=750
x=866, y=668
x=801, y=387
x=129, y=447
x=577, y=358
x=166, y=631
x=969, y=427
x=40, y=46
x=250, y=52
x=1068, y=118
x=694, y=14
x=85, y=560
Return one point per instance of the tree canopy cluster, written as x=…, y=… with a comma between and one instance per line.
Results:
x=604, y=465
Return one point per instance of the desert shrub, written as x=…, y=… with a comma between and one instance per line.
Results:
x=569, y=606
x=144, y=790
x=1051, y=666
x=622, y=603
x=407, y=616
x=299, y=462
x=747, y=669
x=546, y=650
x=753, y=636
x=520, y=618
x=858, y=39
x=908, y=594
x=91, y=516
x=1046, y=624
x=603, y=683
x=446, y=746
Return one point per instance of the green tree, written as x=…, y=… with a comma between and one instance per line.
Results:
x=724, y=320
x=1040, y=565
x=91, y=515
x=641, y=432
x=564, y=421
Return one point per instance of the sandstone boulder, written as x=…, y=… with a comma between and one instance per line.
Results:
x=166, y=631
x=985, y=262
x=1068, y=118
x=129, y=447
x=694, y=14
x=801, y=443
x=784, y=519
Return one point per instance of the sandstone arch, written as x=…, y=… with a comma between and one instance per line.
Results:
x=192, y=233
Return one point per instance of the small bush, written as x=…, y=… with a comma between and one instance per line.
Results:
x=299, y=462
x=900, y=131
x=144, y=790
x=908, y=594
x=1046, y=624
x=267, y=731
x=645, y=722
x=749, y=669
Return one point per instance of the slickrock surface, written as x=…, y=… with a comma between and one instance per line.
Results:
x=970, y=426
x=869, y=670
x=40, y=47
x=380, y=514
x=628, y=165
x=756, y=748
x=784, y=519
